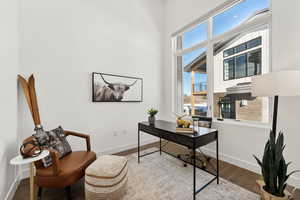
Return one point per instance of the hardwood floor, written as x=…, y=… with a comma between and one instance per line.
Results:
x=232, y=173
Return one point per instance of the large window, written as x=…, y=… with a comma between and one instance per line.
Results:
x=215, y=59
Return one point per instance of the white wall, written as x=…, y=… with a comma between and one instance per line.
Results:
x=239, y=142
x=8, y=94
x=285, y=54
x=63, y=42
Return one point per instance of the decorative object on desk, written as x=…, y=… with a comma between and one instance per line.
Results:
x=183, y=125
x=185, y=130
x=275, y=84
x=152, y=112
x=30, y=150
x=274, y=170
x=116, y=88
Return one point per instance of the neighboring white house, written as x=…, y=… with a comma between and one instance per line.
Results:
x=220, y=82
x=243, y=57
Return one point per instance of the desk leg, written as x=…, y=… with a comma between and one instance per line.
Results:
x=139, y=146
x=194, y=173
x=217, y=151
x=160, y=145
x=31, y=181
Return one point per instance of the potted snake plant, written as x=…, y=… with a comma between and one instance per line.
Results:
x=274, y=170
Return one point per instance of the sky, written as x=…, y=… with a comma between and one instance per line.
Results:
x=221, y=23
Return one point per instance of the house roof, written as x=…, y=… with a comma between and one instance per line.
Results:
x=199, y=63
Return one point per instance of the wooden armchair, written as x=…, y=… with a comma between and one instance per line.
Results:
x=65, y=171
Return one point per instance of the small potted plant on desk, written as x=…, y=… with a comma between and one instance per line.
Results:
x=274, y=170
x=152, y=112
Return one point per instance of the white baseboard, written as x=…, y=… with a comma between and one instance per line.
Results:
x=125, y=147
x=13, y=188
x=232, y=160
x=25, y=171
x=294, y=181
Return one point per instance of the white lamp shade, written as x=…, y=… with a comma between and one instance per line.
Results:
x=281, y=83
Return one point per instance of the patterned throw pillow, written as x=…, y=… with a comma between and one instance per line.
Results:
x=54, y=139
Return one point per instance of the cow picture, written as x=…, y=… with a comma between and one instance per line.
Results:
x=116, y=88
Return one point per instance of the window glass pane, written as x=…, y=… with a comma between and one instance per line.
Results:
x=254, y=43
x=231, y=85
x=241, y=13
x=229, y=69
x=240, y=66
x=195, y=36
x=254, y=63
x=194, y=82
x=240, y=48
x=228, y=52
x=192, y=56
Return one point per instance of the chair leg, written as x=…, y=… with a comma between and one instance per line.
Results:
x=68, y=191
x=40, y=190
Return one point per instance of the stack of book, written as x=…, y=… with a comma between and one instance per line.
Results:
x=185, y=130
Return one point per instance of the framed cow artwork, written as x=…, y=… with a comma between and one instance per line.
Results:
x=116, y=88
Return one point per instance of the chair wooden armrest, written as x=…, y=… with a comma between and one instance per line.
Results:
x=81, y=135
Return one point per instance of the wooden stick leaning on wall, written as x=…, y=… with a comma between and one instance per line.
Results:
x=34, y=103
x=25, y=88
x=30, y=95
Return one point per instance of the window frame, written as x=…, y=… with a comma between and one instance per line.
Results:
x=177, y=104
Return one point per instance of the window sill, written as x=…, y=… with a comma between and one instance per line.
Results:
x=243, y=123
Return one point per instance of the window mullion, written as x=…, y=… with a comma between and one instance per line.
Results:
x=190, y=49
x=209, y=67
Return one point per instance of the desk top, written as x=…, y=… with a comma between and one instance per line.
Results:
x=171, y=127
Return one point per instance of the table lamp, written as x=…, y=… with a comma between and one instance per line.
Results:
x=275, y=84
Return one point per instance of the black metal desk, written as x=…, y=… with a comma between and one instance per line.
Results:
x=167, y=131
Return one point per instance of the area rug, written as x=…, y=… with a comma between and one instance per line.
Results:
x=163, y=177
x=157, y=177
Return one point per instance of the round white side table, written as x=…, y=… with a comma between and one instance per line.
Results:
x=19, y=160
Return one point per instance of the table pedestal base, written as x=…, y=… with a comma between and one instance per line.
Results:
x=31, y=169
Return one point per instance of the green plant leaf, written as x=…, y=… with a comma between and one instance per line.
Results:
x=258, y=161
x=273, y=165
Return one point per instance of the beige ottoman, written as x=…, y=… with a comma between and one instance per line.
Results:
x=106, y=178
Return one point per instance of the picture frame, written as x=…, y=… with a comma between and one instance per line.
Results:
x=116, y=88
